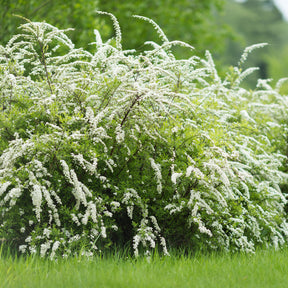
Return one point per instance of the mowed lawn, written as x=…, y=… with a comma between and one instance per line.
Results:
x=266, y=268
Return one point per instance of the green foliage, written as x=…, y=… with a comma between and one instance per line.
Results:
x=278, y=66
x=193, y=21
x=79, y=14
x=117, y=147
x=256, y=21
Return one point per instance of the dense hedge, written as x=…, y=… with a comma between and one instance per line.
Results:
x=118, y=147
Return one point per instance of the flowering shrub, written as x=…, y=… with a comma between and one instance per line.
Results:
x=117, y=147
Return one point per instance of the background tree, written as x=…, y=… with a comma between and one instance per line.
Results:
x=192, y=21
x=76, y=14
x=256, y=21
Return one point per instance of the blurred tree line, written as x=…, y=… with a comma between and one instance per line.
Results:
x=187, y=20
x=257, y=21
x=78, y=14
x=224, y=27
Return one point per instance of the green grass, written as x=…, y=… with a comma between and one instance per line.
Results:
x=264, y=269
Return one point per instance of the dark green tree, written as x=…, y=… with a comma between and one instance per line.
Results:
x=192, y=21
x=254, y=21
x=77, y=14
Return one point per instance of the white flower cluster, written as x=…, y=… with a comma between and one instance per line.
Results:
x=146, y=235
x=157, y=168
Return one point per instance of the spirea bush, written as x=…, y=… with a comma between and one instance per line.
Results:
x=118, y=147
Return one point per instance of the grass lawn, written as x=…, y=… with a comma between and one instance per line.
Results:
x=265, y=268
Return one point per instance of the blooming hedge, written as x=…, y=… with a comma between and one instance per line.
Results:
x=117, y=147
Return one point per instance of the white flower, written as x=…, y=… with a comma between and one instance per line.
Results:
x=175, y=176
x=114, y=227
x=189, y=171
x=22, y=248
x=155, y=223
x=130, y=211
x=55, y=246
x=246, y=117
x=46, y=232
x=120, y=134
x=3, y=187
x=107, y=213
x=158, y=175
x=114, y=205
x=33, y=249
x=136, y=241
x=75, y=219
x=103, y=232
x=36, y=195
x=28, y=239
x=43, y=248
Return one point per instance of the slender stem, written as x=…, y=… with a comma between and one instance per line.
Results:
x=43, y=61
x=130, y=108
x=138, y=96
